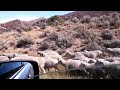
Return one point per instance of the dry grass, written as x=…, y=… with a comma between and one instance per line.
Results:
x=60, y=75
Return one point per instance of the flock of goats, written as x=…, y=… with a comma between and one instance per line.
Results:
x=83, y=60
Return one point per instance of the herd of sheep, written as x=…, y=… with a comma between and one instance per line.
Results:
x=78, y=60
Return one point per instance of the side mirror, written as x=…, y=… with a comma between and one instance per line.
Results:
x=19, y=70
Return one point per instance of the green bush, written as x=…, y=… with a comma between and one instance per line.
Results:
x=114, y=20
x=53, y=36
x=5, y=30
x=86, y=19
x=112, y=43
x=24, y=42
x=43, y=45
x=93, y=46
x=55, y=20
x=80, y=33
x=75, y=20
x=115, y=24
x=2, y=45
x=64, y=42
x=106, y=35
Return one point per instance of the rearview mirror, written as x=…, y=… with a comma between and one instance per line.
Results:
x=19, y=70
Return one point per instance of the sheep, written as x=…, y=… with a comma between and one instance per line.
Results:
x=69, y=55
x=92, y=54
x=12, y=55
x=85, y=59
x=82, y=55
x=96, y=72
x=90, y=60
x=50, y=63
x=20, y=55
x=9, y=55
x=101, y=62
x=50, y=53
x=112, y=59
x=4, y=58
x=96, y=69
x=76, y=56
x=74, y=64
x=86, y=65
x=44, y=62
x=115, y=62
x=114, y=51
x=70, y=64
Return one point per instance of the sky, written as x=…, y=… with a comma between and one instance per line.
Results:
x=6, y=16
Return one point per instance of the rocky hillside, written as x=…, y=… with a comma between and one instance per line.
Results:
x=16, y=24
x=75, y=34
x=36, y=21
x=23, y=25
x=80, y=14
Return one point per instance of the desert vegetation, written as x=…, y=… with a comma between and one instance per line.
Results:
x=71, y=32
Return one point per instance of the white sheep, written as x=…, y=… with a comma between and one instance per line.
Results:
x=91, y=60
x=115, y=62
x=85, y=59
x=92, y=54
x=112, y=59
x=76, y=55
x=74, y=64
x=12, y=55
x=114, y=51
x=69, y=54
x=50, y=63
x=20, y=55
x=50, y=53
x=9, y=55
x=43, y=62
x=103, y=61
x=85, y=65
x=70, y=64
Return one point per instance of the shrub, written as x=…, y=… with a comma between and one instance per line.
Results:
x=112, y=43
x=103, y=24
x=115, y=24
x=75, y=20
x=5, y=30
x=106, y=35
x=24, y=42
x=44, y=34
x=80, y=33
x=59, y=28
x=114, y=20
x=53, y=36
x=64, y=42
x=52, y=45
x=43, y=45
x=92, y=25
x=2, y=45
x=94, y=19
x=18, y=29
x=93, y=46
x=55, y=20
x=10, y=43
x=43, y=26
x=114, y=16
x=86, y=19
